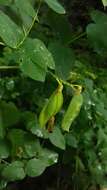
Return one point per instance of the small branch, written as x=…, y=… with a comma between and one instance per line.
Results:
x=8, y=67
x=27, y=32
x=77, y=38
x=73, y=86
x=2, y=44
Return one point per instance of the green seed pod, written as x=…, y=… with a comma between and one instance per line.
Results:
x=72, y=111
x=52, y=107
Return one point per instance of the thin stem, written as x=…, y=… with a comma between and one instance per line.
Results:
x=55, y=77
x=76, y=38
x=27, y=33
x=9, y=67
x=73, y=86
x=1, y=43
x=4, y=161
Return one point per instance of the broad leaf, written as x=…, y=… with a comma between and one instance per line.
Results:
x=32, y=125
x=4, y=149
x=54, y=5
x=3, y=184
x=25, y=7
x=13, y=35
x=96, y=33
x=14, y=171
x=5, y=2
x=61, y=28
x=2, y=129
x=64, y=59
x=71, y=140
x=23, y=144
x=49, y=156
x=26, y=12
x=35, y=167
x=98, y=16
x=35, y=58
x=57, y=138
x=9, y=113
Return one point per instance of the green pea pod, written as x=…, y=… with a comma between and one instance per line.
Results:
x=72, y=111
x=52, y=107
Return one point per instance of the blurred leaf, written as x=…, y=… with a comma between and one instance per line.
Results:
x=49, y=156
x=71, y=141
x=3, y=184
x=9, y=113
x=4, y=149
x=5, y=2
x=14, y=171
x=54, y=5
x=61, y=28
x=25, y=7
x=104, y=3
x=64, y=59
x=98, y=16
x=2, y=129
x=57, y=138
x=32, y=125
x=35, y=167
x=96, y=33
x=23, y=144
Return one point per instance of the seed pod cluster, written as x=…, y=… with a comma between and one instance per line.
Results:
x=72, y=111
x=52, y=107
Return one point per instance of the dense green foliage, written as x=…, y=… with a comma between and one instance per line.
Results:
x=38, y=50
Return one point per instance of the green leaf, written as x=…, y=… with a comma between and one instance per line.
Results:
x=10, y=114
x=14, y=171
x=62, y=28
x=57, y=138
x=56, y=6
x=3, y=184
x=98, y=16
x=64, y=59
x=5, y=2
x=13, y=35
x=2, y=129
x=24, y=145
x=35, y=58
x=49, y=156
x=96, y=33
x=35, y=167
x=25, y=7
x=71, y=141
x=4, y=149
x=32, y=125
x=33, y=70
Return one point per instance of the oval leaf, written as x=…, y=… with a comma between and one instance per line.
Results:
x=35, y=167
x=14, y=171
x=4, y=149
x=13, y=35
x=54, y=5
x=57, y=138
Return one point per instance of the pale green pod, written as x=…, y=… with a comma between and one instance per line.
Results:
x=72, y=111
x=52, y=107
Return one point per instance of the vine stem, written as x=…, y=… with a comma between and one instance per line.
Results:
x=77, y=38
x=9, y=67
x=73, y=86
x=4, y=161
x=27, y=33
x=2, y=44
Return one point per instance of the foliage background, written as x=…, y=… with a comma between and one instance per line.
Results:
x=33, y=46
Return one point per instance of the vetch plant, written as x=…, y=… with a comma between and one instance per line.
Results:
x=53, y=93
